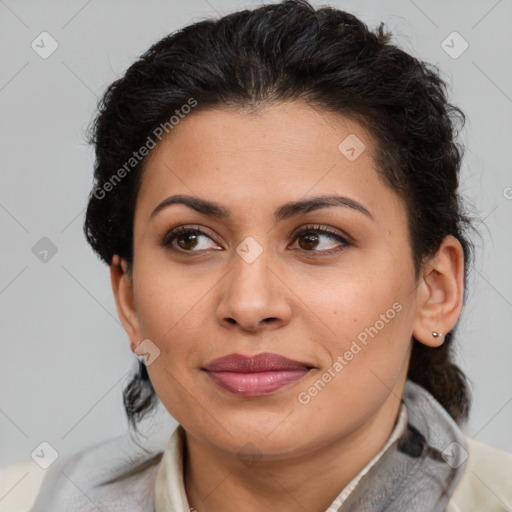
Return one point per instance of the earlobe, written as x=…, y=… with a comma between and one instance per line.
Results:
x=122, y=287
x=440, y=293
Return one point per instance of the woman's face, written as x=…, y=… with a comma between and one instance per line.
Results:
x=340, y=302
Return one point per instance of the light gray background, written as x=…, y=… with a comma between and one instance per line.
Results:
x=65, y=356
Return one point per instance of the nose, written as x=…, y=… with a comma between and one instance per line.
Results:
x=253, y=298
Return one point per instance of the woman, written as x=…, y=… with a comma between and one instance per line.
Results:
x=276, y=197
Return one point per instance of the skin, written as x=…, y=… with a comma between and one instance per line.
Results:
x=198, y=308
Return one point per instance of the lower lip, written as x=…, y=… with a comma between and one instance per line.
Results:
x=256, y=384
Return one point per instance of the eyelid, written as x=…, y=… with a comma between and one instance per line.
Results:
x=323, y=229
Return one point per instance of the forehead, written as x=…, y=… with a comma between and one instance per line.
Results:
x=280, y=153
x=291, y=129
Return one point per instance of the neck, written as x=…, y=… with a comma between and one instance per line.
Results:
x=218, y=481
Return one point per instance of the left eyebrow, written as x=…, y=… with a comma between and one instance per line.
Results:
x=308, y=205
x=284, y=212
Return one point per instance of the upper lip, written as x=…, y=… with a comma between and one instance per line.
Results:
x=263, y=362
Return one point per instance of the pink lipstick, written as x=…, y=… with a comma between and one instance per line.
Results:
x=258, y=375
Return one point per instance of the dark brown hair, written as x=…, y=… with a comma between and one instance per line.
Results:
x=291, y=51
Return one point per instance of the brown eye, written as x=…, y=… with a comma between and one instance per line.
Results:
x=316, y=240
x=186, y=239
x=310, y=240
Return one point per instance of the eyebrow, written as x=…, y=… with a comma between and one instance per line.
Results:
x=286, y=211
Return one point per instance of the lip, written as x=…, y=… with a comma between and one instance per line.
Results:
x=257, y=375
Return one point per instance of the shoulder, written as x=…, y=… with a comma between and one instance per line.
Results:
x=19, y=484
x=82, y=482
x=486, y=483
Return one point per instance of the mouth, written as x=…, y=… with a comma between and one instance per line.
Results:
x=252, y=376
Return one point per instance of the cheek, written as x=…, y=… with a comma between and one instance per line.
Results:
x=345, y=304
x=167, y=301
x=366, y=320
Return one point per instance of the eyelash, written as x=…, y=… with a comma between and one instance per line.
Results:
x=172, y=234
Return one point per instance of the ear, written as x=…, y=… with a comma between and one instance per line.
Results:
x=440, y=293
x=122, y=286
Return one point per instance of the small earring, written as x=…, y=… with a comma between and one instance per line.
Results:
x=437, y=334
